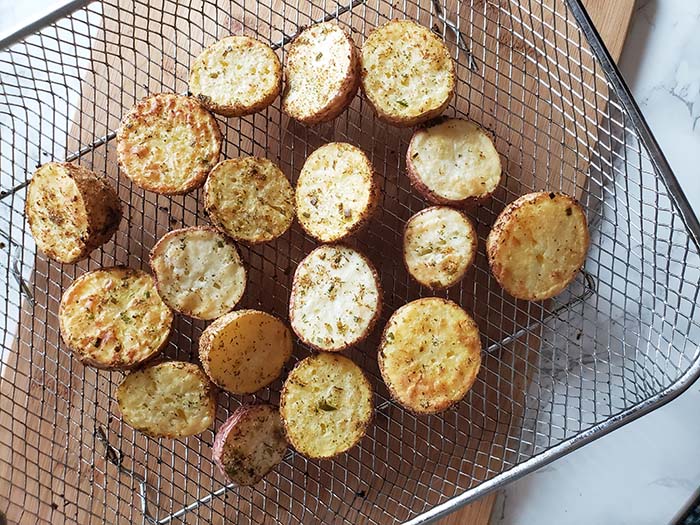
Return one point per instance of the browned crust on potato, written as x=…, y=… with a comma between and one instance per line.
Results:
x=373, y=322
x=346, y=93
x=102, y=206
x=493, y=241
x=458, y=277
x=204, y=125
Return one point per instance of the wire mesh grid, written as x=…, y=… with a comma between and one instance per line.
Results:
x=623, y=337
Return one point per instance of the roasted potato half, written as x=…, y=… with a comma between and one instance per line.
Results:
x=245, y=350
x=430, y=354
x=336, y=192
x=198, y=272
x=336, y=298
x=113, y=318
x=322, y=74
x=250, y=444
x=236, y=76
x=71, y=210
x=439, y=245
x=168, y=144
x=538, y=244
x=249, y=199
x=407, y=73
x=454, y=162
x=171, y=399
x=326, y=405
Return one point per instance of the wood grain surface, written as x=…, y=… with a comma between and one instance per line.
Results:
x=53, y=458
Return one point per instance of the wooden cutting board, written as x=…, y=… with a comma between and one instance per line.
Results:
x=611, y=18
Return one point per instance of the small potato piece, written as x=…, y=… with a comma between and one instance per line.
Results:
x=439, y=245
x=336, y=192
x=198, y=272
x=113, y=318
x=322, y=74
x=430, y=354
x=250, y=444
x=172, y=399
x=168, y=144
x=453, y=162
x=245, y=350
x=249, y=199
x=538, y=244
x=336, y=298
x=326, y=405
x=407, y=73
x=71, y=211
x=236, y=76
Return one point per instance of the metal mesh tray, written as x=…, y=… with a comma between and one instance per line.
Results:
x=621, y=341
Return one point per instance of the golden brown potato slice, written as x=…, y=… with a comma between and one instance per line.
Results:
x=336, y=193
x=236, y=76
x=249, y=199
x=439, y=245
x=171, y=399
x=250, y=444
x=336, y=298
x=322, y=74
x=71, y=210
x=245, y=350
x=114, y=318
x=454, y=162
x=168, y=144
x=407, y=73
x=430, y=354
x=538, y=244
x=326, y=405
x=198, y=272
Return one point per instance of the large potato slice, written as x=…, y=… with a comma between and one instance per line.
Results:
x=168, y=144
x=326, y=405
x=453, y=161
x=236, y=76
x=249, y=199
x=322, y=74
x=430, y=354
x=250, y=444
x=439, y=245
x=71, y=210
x=245, y=350
x=171, y=399
x=336, y=298
x=538, y=245
x=198, y=272
x=114, y=318
x=336, y=192
x=407, y=73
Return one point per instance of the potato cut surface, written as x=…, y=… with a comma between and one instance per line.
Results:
x=335, y=299
x=71, y=211
x=198, y=272
x=245, y=350
x=114, y=318
x=538, y=244
x=249, y=199
x=250, y=444
x=326, y=405
x=322, y=74
x=430, y=354
x=407, y=73
x=171, y=399
x=439, y=244
x=336, y=192
x=168, y=144
x=453, y=161
x=236, y=76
